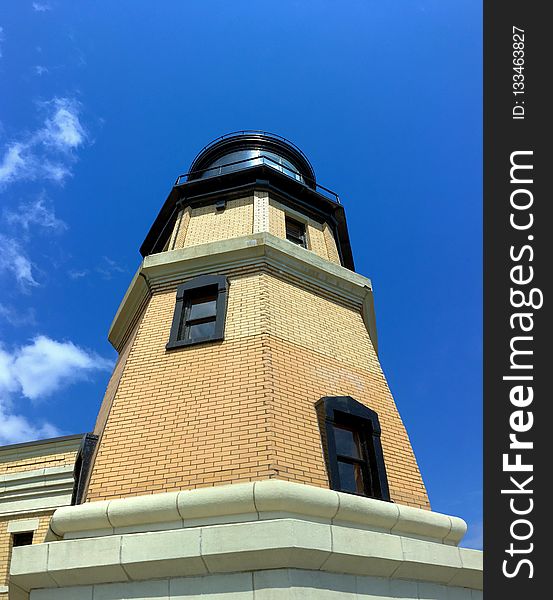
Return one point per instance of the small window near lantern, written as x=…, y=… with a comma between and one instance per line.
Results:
x=295, y=232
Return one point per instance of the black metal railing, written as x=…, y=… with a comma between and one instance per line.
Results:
x=257, y=160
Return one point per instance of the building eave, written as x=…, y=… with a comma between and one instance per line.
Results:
x=294, y=193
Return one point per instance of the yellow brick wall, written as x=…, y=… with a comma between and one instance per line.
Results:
x=317, y=241
x=243, y=409
x=206, y=224
x=312, y=321
x=37, y=462
x=331, y=248
x=180, y=229
x=276, y=219
x=296, y=430
x=113, y=384
x=162, y=433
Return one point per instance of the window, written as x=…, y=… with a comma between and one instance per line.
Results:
x=352, y=466
x=353, y=452
x=82, y=466
x=25, y=538
x=200, y=311
x=295, y=232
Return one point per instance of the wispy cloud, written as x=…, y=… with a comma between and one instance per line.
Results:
x=13, y=260
x=41, y=6
x=44, y=366
x=1, y=39
x=17, y=317
x=14, y=257
x=17, y=428
x=40, y=70
x=36, y=371
x=12, y=163
x=48, y=152
x=62, y=129
x=75, y=274
x=109, y=268
x=36, y=213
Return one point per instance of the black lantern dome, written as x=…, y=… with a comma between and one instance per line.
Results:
x=244, y=149
x=236, y=164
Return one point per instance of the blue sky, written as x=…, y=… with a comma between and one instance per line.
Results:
x=103, y=104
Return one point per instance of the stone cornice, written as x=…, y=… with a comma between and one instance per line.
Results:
x=171, y=267
x=36, y=448
x=36, y=490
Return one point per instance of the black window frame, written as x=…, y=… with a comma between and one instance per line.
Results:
x=346, y=412
x=302, y=239
x=185, y=294
x=81, y=470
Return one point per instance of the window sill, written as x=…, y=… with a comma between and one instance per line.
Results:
x=362, y=495
x=186, y=343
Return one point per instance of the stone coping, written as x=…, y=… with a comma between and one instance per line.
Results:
x=256, y=501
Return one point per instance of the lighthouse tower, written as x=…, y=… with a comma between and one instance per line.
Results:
x=248, y=445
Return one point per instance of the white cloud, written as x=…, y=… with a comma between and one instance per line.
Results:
x=40, y=70
x=14, y=261
x=37, y=371
x=41, y=6
x=44, y=366
x=35, y=213
x=63, y=129
x=55, y=171
x=13, y=164
x=17, y=428
x=1, y=39
x=48, y=152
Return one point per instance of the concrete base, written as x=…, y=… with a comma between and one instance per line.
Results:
x=274, y=539
x=278, y=584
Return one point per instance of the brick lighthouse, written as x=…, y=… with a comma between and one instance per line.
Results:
x=248, y=445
